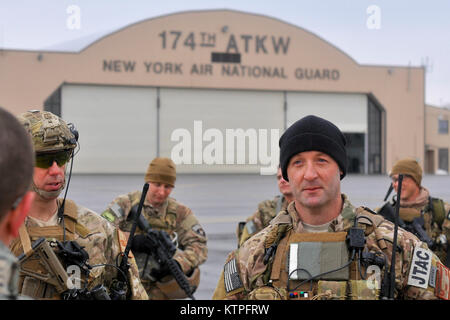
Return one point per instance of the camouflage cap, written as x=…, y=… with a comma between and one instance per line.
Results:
x=48, y=131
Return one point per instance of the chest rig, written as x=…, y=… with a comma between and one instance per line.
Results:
x=38, y=278
x=310, y=266
x=166, y=220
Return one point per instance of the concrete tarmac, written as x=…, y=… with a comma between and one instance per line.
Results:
x=220, y=201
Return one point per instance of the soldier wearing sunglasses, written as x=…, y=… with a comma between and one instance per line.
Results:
x=64, y=224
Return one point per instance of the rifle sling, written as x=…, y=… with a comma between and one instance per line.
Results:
x=25, y=239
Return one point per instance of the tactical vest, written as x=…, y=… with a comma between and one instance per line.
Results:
x=37, y=287
x=301, y=256
x=166, y=222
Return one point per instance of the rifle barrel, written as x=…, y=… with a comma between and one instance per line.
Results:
x=394, y=248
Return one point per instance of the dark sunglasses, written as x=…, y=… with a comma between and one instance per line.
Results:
x=45, y=160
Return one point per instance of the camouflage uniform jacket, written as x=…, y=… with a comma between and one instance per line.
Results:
x=171, y=217
x=9, y=274
x=249, y=265
x=435, y=230
x=267, y=210
x=98, y=237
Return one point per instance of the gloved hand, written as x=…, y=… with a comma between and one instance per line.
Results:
x=148, y=242
x=141, y=243
x=158, y=244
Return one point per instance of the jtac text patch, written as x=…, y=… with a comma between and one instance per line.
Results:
x=419, y=273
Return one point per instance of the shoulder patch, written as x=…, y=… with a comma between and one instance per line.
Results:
x=108, y=216
x=419, y=273
x=117, y=210
x=231, y=276
x=198, y=230
x=250, y=226
x=442, y=282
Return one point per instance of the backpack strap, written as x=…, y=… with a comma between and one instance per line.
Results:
x=438, y=210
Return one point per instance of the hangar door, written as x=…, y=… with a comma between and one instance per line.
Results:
x=220, y=131
x=347, y=111
x=117, y=127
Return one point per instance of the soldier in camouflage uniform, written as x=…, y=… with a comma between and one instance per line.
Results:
x=267, y=210
x=16, y=172
x=163, y=213
x=63, y=221
x=427, y=217
x=322, y=247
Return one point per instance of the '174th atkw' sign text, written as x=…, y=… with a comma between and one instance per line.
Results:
x=238, y=43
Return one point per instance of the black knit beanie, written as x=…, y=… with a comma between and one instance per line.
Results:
x=312, y=133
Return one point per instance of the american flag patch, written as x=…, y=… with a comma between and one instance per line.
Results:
x=231, y=276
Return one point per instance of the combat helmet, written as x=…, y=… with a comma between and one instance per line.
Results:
x=49, y=132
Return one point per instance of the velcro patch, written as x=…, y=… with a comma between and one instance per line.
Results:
x=251, y=228
x=433, y=274
x=309, y=259
x=442, y=281
x=231, y=276
x=419, y=273
x=108, y=216
x=117, y=210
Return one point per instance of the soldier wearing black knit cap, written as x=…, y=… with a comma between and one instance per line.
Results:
x=321, y=246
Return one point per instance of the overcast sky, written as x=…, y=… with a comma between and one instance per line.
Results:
x=398, y=32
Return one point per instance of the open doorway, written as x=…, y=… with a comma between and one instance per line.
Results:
x=355, y=152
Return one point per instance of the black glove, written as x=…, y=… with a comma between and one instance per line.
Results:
x=158, y=244
x=141, y=243
x=153, y=239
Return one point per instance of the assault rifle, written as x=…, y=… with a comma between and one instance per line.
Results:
x=159, y=245
x=55, y=274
